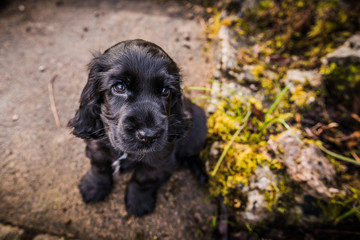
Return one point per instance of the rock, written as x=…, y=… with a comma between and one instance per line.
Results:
x=215, y=149
x=312, y=77
x=10, y=233
x=229, y=89
x=307, y=166
x=245, y=75
x=348, y=53
x=262, y=181
x=228, y=43
x=264, y=178
x=341, y=77
x=256, y=210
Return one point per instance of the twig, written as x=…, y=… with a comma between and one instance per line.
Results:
x=356, y=157
x=52, y=101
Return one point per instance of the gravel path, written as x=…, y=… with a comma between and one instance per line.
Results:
x=40, y=164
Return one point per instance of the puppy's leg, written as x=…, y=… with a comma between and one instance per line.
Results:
x=96, y=184
x=190, y=147
x=141, y=190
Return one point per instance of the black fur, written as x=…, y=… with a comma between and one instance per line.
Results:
x=132, y=109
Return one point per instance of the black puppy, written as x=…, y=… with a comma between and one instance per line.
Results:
x=133, y=116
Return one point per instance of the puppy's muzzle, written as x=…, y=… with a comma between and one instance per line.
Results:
x=145, y=124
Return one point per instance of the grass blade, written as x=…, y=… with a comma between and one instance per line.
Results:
x=226, y=149
x=338, y=156
x=278, y=99
x=202, y=97
x=238, y=111
x=210, y=90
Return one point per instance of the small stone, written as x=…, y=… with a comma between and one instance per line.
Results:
x=312, y=77
x=334, y=190
x=253, y=87
x=214, y=149
x=21, y=8
x=15, y=117
x=198, y=217
x=190, y=16
x=42, y=68
x=187, y=37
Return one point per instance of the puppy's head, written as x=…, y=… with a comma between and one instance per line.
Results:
x=133, y=97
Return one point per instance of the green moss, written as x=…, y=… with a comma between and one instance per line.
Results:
x=214, y=24
x=302, y=97
x=341, y=206
x=245, y=154
x=308, y=29
x=313, y=28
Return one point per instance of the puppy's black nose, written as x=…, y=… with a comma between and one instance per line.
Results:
x=147, y=135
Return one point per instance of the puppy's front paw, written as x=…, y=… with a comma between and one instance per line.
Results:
x=94, y=187
x=138, y=201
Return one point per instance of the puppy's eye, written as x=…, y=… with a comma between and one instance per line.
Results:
x=119, y=88
x=165, y=92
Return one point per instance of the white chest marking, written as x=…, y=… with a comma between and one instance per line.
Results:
x=116, y=164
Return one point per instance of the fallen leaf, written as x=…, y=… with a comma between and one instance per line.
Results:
x=350, y=144
x=258, y=113
x=356, y=117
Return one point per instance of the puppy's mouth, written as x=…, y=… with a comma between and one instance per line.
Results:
x=140, y=142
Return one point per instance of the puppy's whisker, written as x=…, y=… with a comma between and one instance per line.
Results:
x=98, y=130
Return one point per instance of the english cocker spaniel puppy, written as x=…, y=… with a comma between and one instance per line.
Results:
x=133, y=117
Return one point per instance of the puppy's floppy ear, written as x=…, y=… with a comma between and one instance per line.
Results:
x=179, y=115
x=87, y=122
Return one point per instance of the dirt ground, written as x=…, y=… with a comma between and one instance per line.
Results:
x=40, y=164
